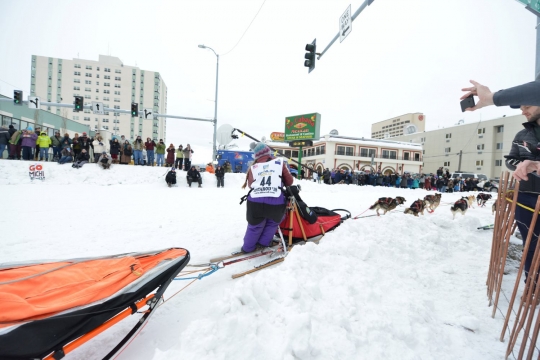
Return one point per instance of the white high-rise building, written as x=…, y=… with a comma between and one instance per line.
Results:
x=108, y=81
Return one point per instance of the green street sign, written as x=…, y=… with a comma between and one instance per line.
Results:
x=534, y=4
x=303, y=127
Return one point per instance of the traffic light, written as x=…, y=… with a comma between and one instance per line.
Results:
x=78, y=104
x=134, y=109
x=17, y=97
x=310, y=55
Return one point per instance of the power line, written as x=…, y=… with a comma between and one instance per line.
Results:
x=241, y=37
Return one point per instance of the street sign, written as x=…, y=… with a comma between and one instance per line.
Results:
x=97, y=108
x=148, y=114
x=303, y=127
x=345, y=24
x=33, y=102
x=298, y=143
x=534, y=4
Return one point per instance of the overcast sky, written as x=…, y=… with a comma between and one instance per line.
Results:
x=401, y=56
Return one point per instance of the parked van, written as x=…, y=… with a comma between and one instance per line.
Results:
x=466, y=175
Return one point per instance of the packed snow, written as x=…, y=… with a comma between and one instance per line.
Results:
x=388, y=287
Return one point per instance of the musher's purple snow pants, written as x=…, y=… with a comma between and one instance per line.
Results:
x=262, y=234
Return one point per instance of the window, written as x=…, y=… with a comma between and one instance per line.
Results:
x=367, y=152
x=106, y=127
x=480, y=147
x=107, y=77
x=345, y=150
x=416, y=157
x=75, y=118
x=97, y=82
x=117, y=78
x=423, y=139
x=117, y=92
x=498, y=162
x=500, y=129
x=76, y=88
x=446, y=163
x=447, y=150
x=105, y=120
x=106, y=84
x=77, y=66
x=106, y=92
x=117, y=86
x=389, y=154
x=77, y=73
x=295, y=153
x=97, y=75
x=87, y=89
x=97, y=68
x=117, y=106
x=406, y=156
x=479, y=162
x=105, y=98
x=78, y=81
x=88, y=82
x=97, y=90
x=499, y=146
x=449, y=136
x=115, y=114
x=88, y=67
x=118, y=71
x=481, y=131
x=86, y=111
x=87, y=97
x=86, y=119
x=116, y=100
x=107, y=70
x=88, y=74
x=322, y=150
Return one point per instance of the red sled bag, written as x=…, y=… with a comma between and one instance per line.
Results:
x=327, y=220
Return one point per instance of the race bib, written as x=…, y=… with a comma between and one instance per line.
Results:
x=267, y=179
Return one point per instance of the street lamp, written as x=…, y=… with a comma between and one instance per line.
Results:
x=215, y=105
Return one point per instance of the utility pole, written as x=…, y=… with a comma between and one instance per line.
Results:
x=459, y=162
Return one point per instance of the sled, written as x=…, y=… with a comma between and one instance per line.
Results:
x=48, y=309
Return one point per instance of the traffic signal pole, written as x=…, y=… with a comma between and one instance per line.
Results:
x=360, y=9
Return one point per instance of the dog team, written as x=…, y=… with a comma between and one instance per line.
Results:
x=430, y=203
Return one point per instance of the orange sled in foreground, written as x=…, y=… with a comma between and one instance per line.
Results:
x=50, y=308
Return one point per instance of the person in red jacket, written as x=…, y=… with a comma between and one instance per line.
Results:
x=265, y=201
x=149, y=146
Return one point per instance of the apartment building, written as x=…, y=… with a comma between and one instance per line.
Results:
x=108, y=81
x=399, y=125
x=352, y=153
x=477, y=147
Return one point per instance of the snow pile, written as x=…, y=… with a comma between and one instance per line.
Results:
x=389, y=287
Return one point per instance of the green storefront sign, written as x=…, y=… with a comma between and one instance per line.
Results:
x=303, y=127
x=534, y=4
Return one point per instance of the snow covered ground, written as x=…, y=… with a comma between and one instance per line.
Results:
x=389, y=287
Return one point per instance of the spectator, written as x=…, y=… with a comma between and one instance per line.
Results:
x=160, y=152
x=220, y=176
x=327, y=176
x=56, y=142
x=194, y=176
x=187, y=156
x=227, y=166
x=170, y=179
x=81, y=159
x=28, y=143
x=415, y=183
x=170, y=156
x=36, y=149
x=99, y=147
x=75, y=144
x=104, y=161
x=4, y=140
x=43, y=142
x=450, y=186
x=149, y=145
x=15, y=143
x=316, y=176
x=84, y=143
x=179, y=157
x=138, y=147
x=68, y=140
x=66, y=155
x=115, y=150
x=127, y=151
x=319, y=175
x=528, y=93
x=427, y=183
x=422, y=181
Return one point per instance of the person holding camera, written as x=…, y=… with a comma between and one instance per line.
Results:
x=149, y=145
x=193, y=175
x=66, y=155
x=220, y=176
x=138, y=147
x=179, y=157
x=187, y=156
x=99, y=147
x=28, y=143
x=104, y=161
x=170, y=179
x=160, y=152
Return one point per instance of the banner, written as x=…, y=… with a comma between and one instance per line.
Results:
x=36, y=172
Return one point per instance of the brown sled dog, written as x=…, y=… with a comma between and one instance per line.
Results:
x=432, y=201
x=387, y=204
x=459, y=206
x=416, y=207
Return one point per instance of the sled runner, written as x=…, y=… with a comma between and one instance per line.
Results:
x=51, y=308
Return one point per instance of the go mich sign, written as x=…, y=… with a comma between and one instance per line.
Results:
x=303, y=127
x=36, y=172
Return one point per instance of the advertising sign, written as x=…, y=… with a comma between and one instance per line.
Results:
x=277, y=136
x=303, y=127
x=36, y=172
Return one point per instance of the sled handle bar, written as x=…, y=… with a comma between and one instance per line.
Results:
x=347, y=216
